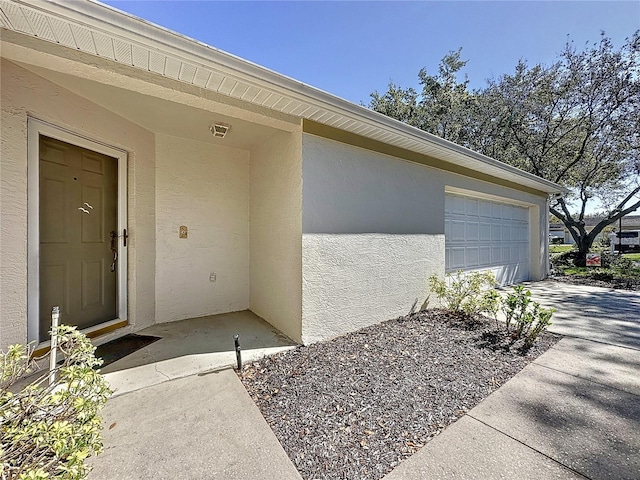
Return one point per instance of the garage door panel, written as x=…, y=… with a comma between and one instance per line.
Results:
x=524, y=252
x=457, y=206
x=485, y=232
x=496, y=255
x=473, y=231
x=485, y=209
x=496, y=232
x=457, y=258
x=487, y=235
x=484, y=254
x=496, y=210
x=472, y=257
x=472, y=207
x=457, y=230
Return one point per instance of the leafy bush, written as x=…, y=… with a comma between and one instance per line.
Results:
x=556, y=241
x=468, y=293
x=562, y=261
x=473, y=294
x=622, y=263
x=616, y=270
x=616, y=261
x=525, y=319
x=48, y=430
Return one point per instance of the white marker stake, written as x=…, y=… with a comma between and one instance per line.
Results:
x=55, y=318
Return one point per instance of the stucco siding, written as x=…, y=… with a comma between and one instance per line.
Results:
x=373, y=232
x=353, y=190
x=355, y=280
x=26, y=94
x=205, y=188
x=276, y=232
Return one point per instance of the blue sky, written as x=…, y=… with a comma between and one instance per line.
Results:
x=353, y=48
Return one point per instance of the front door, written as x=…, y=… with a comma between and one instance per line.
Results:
x=78, y=235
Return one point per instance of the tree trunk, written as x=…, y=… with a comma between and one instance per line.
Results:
x=583, y=243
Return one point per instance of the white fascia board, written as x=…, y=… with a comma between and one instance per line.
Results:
x=111, y=21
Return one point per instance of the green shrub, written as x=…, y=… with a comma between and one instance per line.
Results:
x=473, y=294
x=525, y=319
x=48, y=430
x=616, y=261
x=562, y=261
x=465, y=292
x=622, y=263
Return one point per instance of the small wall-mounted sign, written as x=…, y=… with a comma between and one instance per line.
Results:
x=184, y=231
x=594, y=260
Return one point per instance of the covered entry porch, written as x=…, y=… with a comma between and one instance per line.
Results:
x=194, y=346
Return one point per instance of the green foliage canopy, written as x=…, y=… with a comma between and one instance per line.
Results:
x=575, y=122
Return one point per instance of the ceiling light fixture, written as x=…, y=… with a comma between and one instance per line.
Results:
x=219, y=130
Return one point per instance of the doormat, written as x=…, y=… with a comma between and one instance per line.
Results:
x=123, y=346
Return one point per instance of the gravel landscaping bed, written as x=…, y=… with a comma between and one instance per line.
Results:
x=355, y=406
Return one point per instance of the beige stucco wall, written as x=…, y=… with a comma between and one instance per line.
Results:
x=276, y=231
x=205, y=188
x=24, y=94
x=373, y=232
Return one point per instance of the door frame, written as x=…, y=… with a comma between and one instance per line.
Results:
x=35, y=128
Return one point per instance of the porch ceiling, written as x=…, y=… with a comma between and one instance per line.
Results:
x=106, y=33
x=160, y=115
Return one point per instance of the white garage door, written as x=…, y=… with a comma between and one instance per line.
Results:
x=487, y=235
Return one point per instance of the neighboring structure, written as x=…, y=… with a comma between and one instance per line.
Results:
x=149, y=178
x=558, y=230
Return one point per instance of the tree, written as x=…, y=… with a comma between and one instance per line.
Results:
x=440, y=108
x=576, y=122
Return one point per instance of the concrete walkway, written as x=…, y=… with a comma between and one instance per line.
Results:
x=198, y=427
x=573, y=413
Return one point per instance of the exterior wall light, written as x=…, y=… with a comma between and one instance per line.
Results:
x=219, y=130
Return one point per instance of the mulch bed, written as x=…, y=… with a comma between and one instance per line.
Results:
x=354, y=407
x=631, y=283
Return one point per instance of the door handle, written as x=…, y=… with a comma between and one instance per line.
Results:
x=113, y=236
x=114, y=248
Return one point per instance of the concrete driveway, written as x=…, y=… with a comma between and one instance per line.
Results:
x=594, y=313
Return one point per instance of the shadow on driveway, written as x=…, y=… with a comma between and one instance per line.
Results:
x=594, y=313
x=589, y=427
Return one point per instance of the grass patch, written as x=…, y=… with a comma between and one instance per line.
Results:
x=580, y=271
x=632, y=256
x=560, y=248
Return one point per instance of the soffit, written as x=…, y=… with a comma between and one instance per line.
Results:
x=105, y=32
x=159, y=115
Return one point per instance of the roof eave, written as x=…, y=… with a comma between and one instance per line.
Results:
x=314, y=104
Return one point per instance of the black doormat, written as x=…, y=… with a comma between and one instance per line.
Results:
x=123, y=346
